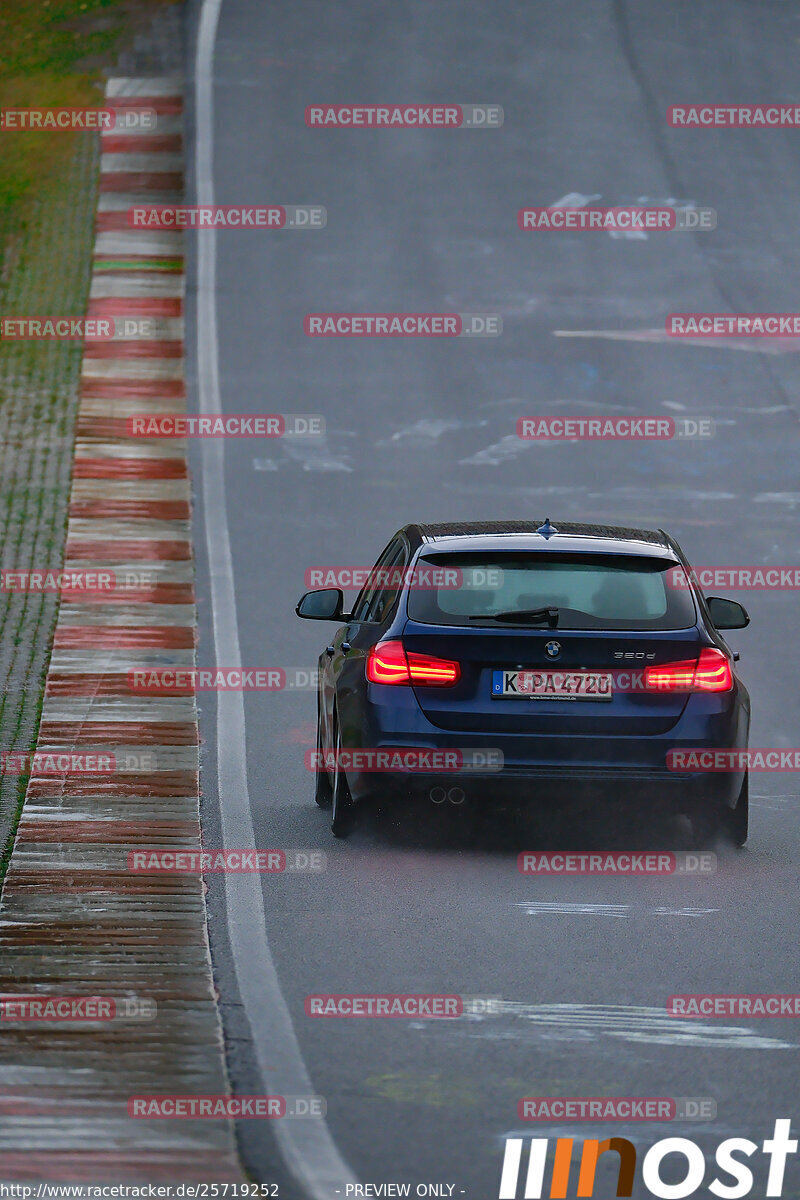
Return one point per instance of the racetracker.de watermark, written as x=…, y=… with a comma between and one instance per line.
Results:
x=673, y=862
x=235, y=425
x=733, y=116
x=746, y=579
x=328, y=1004
x=333, y=324
x=422, y=577
x=227, y=216
x=404, y=116
x=725, y=761
x=389, y=759
x=186, y=681
x=281, y=679
x=725, y=325
x=615, y=1108
x=71, y=582
x=57, y=762
x=222, y=1107
x=742, y=1005
x=77, y=584
x=633, y=429
x=225, y=862
x=618, y=218
x=72, y=119
x=76, y=1009
x=127, y=760
x=70, y=329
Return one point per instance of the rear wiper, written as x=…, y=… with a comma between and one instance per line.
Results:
x=529, y=616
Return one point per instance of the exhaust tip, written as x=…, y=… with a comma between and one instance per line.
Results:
x=456, y=795
x=438, y=795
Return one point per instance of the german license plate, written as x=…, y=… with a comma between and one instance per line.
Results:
x=552, y=685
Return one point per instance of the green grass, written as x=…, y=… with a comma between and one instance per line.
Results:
x=53, y=53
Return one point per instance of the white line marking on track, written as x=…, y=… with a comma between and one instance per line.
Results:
x=307, y=1146
x=538, y=908
x=576, y=200
x=791, y=498
x=775, y=345
x=429, y=430
x=664, y=910
x=500, y=452
x=634, y=1023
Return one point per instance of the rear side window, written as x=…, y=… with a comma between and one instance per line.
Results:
x=388, y=586
x=588, y=591
x=381, y=590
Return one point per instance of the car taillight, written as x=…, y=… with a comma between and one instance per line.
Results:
x=433, y=672
x=711, y=672
x=389, y=662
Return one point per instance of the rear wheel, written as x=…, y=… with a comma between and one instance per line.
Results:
x=739, y=817
x=341, y=801
x=710, y=824
x=323, y=792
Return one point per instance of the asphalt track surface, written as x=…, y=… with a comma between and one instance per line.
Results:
x=422, y=429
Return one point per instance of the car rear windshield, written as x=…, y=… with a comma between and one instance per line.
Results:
x=585, y=591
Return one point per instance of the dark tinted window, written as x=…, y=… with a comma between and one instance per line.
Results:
x=590, y=591
x=381, y=590
x=388, y=589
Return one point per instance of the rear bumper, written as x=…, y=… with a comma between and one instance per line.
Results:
x=555, y=767
x=559, y=788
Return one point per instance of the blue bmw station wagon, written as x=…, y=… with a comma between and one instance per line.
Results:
x=532, y=662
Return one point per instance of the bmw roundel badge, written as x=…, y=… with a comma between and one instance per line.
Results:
x=552, y=649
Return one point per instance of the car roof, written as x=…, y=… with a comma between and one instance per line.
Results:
x=570, y=537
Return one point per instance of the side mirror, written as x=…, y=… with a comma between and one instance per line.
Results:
x=727, y=614
x=327, y=604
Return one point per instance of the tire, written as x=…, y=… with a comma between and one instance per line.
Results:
x=341, y=800
x=739, y=817
x=323, y=792
x=730, y=824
